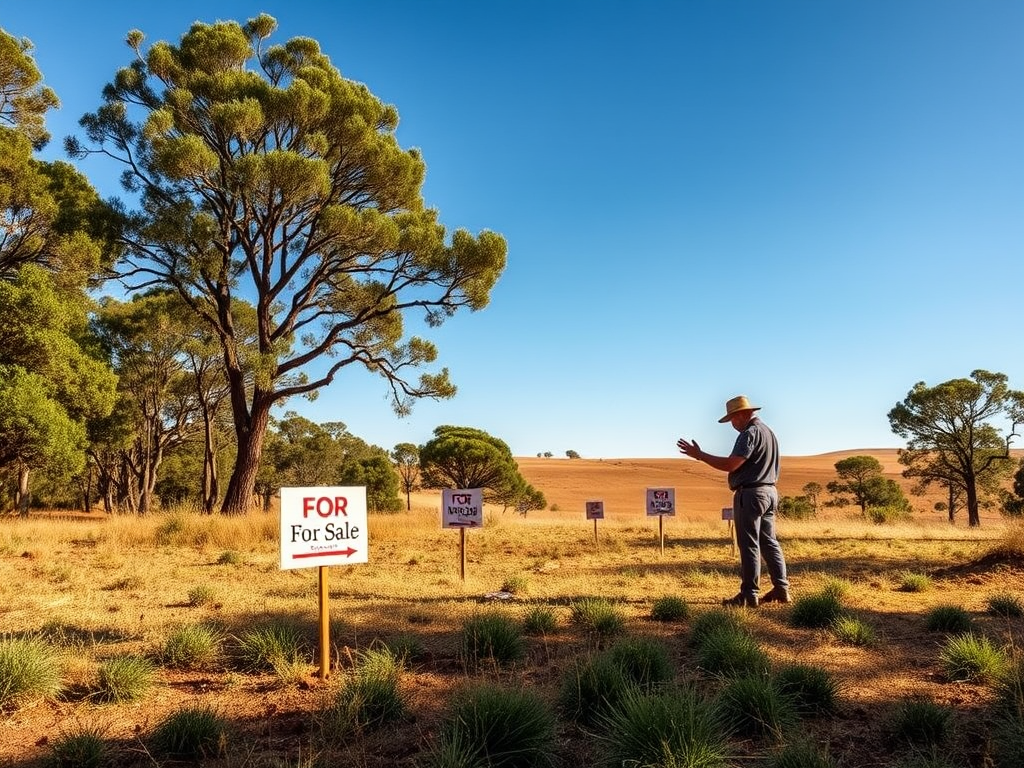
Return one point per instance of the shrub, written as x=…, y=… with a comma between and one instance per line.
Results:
x=670, y=608
x=815, y=611
x=85, y=748
x=921, y=723
x=496, y=727
x=812, y=690
x=672, y=727
x=492, y=637
x=837, y=588
x=1006, y=605
x=126, y=678
x=753, y=706
x=948, y=618
x=597, y=615
x=853, y=631
x=967, y=657
x=643, y=661
x=192, y=646
x=732, y=653
x=887, y=514
x=230, y=557
x=914, y=582
x=516, y=584
x=370, y=698
x=796, y=508
x=713, y=621
x=539, y=620
x=192, y=733
x=591, y=687
x=28, y=670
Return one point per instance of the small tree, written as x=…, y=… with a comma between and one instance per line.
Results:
x=855, y=473
x=1013, y=501
x=407, y=461
x=813, y=492
x=572, y=454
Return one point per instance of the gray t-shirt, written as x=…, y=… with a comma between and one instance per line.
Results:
x=757, y=444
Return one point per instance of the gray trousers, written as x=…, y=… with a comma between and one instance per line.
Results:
x=754, y=515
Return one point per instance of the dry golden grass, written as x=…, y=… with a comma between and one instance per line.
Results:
x=104, y=587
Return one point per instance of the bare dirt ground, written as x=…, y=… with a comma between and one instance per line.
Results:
x=412, y=587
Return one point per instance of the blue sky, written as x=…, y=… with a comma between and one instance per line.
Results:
x=817, y=204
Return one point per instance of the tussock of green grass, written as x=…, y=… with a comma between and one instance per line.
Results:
x=29, y=669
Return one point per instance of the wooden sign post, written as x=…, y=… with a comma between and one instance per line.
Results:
x=595, y=512
x=462, y=509
x=661, y=502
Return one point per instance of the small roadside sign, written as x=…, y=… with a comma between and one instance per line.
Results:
x=661, y=501
x=595, y=510
x=323, y=526
x=462, y=508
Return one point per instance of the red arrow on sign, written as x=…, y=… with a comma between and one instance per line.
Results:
x=347, y=552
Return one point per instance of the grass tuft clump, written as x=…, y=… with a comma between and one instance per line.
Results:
x=732, y=653
x=754, y=707
x=29, y=669
x=670, y=608
x=597, y=615
x=202, y=594
x=800, y=754
x=969, y=657
x=517, y=584
x=125, y=678
x=192, y=733
x=490, y=725
x=590, y=687
x=370, y=698
x=279, y=647
x=948, y=618
x=921, y=723
x=816, y=611
x=812, y=690
x=192, y=646
x=83, y=748
x=914, y=582
x=540, y=620
x=713, y=621
x=643, y=661
x=853, y=631
x=668, y=727
x=230, y=557
x=492, y=637
x=1006, y=605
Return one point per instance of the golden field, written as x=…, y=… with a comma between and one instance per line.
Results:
x=100, y=588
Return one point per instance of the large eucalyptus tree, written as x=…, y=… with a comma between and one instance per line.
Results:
x=262, y=175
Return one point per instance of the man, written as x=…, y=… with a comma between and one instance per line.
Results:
x=753, y=468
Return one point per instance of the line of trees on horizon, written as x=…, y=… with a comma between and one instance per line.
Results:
x=272, y=234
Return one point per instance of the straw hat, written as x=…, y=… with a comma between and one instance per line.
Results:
x=738, y=403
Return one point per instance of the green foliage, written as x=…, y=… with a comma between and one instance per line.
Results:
x=670, y=608
x=464, y=457
x=29, y=669
x=370, y=698
x=278, y=647
x=853, y=631
x=1006, y=605
x=202, y=594
x=231, y=557
x=914, y=582
x=887, y=514
x=596, y=615
x=812, y=690
x=491, y=726
x=85, y=747
x=713, y=621
x=800, y=754
x=492, y=637
x=192, y=646
x=673, y=728
x=948, y=618
x=124, y=678
x=752, y=706
x=515, y=584
x=921, y=723
x=732, y=653
x=24, y=100
x=1008, y=734
x=645, y=662
x=540, y=620
x=591, y=687
x=969, y=657
x=191, y=733
x=796, y=508
x=816, y=611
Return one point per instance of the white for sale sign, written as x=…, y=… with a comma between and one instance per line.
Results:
x=462, y=508
x=323, y=526
x=661, y=501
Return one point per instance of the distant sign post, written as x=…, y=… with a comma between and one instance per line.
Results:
x=462, y=509
x=661, y=502
x=727, y=515
x=323, y=526
x=595, y=512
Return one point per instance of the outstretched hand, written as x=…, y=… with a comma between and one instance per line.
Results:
x=690, y=448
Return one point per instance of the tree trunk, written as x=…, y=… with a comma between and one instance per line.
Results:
x=22, y=496
x=952, y=505
x=211, y=485
x=239, y=496
x=973, y=516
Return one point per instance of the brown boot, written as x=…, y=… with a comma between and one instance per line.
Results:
x=741, y=601
x=776, y=595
